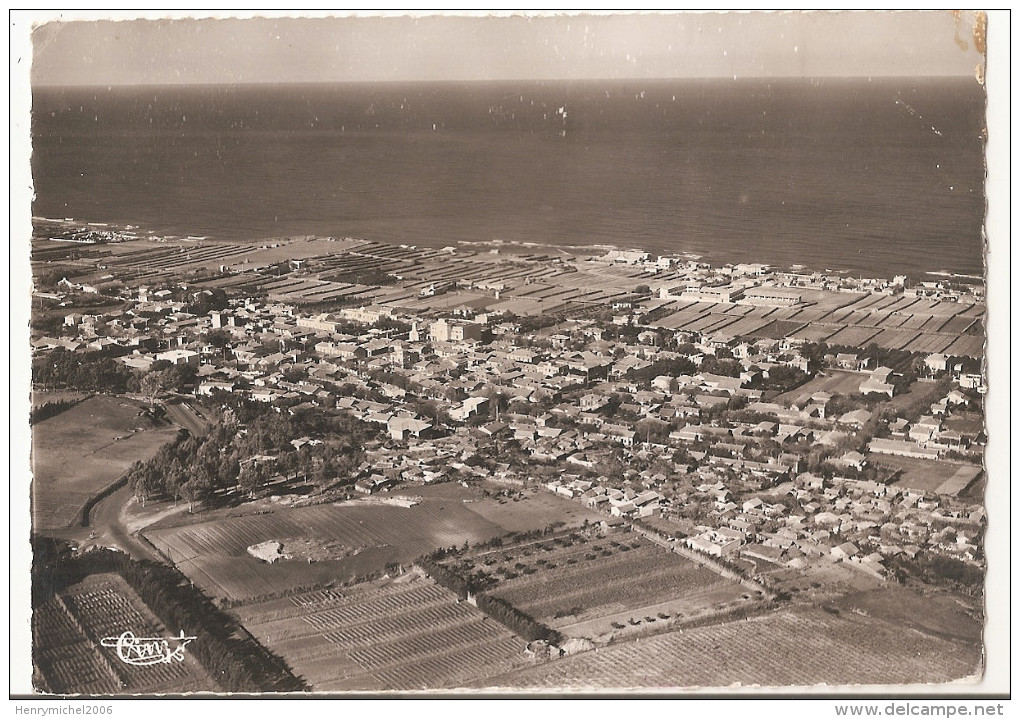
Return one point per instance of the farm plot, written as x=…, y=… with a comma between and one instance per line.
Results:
x=853, y=336
x=895, y=339
x=68, y=631
x=214, y=553
x=777, y=329
x=85, y=449
x=815, y=648
x=814, y=332
x=967, y=346
x=592, y=587
x=402, y=634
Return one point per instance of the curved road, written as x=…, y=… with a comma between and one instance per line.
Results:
x=106, y=521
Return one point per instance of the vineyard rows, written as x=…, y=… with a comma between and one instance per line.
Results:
x=455, y=668
x=67, y=648
x=335, y=618
x=107, y=613
x=66, y=656
x=572, y=576
x=436, y=617
x=815, y=648
x=386, y=635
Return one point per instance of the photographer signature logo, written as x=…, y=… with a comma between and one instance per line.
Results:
x=146, y=651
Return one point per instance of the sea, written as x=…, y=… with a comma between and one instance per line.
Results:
x=873, y=176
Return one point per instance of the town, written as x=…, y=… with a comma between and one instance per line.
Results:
x=798, y=431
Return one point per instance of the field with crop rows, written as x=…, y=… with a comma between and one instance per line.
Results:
x=67, y=650
x=798, y=647
x=910, y=323
x=591, y=587
x=214, y=553
x=404, y=634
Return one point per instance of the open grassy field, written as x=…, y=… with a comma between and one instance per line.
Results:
x=42, y=396
x=945, y=614
x=832, y=381
x=67, y=631
x=214, y=553
x=796, y=647
x=928, y=475
x=597, y=587
x=81, y=451
x=402, y=634
x=537, y=509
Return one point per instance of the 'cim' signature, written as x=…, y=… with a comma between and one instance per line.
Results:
x=145, y=651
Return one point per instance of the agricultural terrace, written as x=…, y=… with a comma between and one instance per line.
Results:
x=593, y=586
x=815, y=647
x=394, y=634
x=83, y=450
x=67, y=630
x=365, y=537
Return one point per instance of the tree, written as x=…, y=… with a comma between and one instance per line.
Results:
x=220, y=339
x=252, y=476
x=227, y=469
x=152, y=385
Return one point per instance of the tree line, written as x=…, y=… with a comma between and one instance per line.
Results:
x=511, y=617
x=236, y=662
x=85, y=371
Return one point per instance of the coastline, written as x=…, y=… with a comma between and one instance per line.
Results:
x=117, y=232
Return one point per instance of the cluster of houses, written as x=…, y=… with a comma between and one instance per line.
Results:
x=860, y=523
x=760, y=284
x=568, y=397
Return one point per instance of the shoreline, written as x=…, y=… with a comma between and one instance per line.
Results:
x=132, y=233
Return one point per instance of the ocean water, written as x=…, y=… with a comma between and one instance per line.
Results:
x=876, y=177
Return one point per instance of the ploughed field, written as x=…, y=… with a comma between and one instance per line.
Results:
x=81, y=451
x=214, y=554
x=597, y=587
x=67, y=631
x=403, y=634
x=365, y=536
x=797, y=647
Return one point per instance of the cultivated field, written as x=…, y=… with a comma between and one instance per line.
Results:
x=605, y=586
x=68, y=655
x=405, y=634
x=79, y=452
x=851, y=319
x=214, y=553
x=797, y=647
